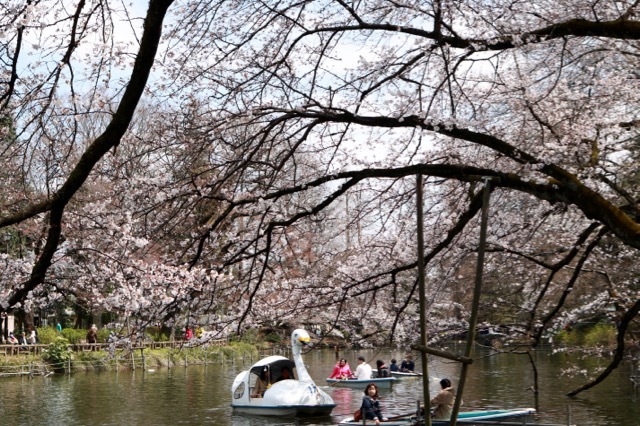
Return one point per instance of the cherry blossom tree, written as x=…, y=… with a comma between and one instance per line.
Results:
x=268, y=175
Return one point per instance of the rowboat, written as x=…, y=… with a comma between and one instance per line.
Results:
x=399, y=422
x=284, y=397
x=464, y=418
x=382, y=382
x=403, y=375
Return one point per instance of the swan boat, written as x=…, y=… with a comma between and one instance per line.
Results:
x=283, y=397
x=464, y=417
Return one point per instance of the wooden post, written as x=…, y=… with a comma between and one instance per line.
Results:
x=423, y=297
x=471, y=336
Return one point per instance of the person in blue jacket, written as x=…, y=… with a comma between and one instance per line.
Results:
x=394, y=365
x=408, y=365
x=371, y=404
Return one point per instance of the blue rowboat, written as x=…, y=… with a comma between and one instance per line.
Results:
x=382, y=382
x=401, y=375
x=464, y=417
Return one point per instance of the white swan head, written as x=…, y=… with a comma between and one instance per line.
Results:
x=299, y=338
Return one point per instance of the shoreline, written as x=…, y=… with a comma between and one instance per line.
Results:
x=126, y=359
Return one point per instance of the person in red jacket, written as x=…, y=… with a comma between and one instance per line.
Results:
x=341, y=370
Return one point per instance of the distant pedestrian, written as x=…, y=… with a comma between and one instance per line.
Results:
x=92, y=335
x=32, y=337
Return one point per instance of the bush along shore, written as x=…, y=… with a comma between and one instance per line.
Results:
x=59, y=358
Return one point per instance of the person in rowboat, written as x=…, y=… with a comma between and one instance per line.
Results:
x=383, y=371
x=408, y=365
x=364, y=371
x=394, y=365
x=371, y=405
x=341, y=370
x=443, y=401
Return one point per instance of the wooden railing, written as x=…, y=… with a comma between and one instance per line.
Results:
x=37, y=349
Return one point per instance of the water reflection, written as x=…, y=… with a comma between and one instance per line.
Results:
x=201, y=394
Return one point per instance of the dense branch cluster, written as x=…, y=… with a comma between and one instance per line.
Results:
x=252, y=162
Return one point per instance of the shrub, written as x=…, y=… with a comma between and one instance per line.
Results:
x=103, y=335
x=601, y=335
x=74, y=335
x=156, y=334
x=250, y=336
x=58, y=353
x=273, y=338
x=47, y=335
x=569, y=338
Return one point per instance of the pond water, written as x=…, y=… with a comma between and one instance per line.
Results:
x=201, y=394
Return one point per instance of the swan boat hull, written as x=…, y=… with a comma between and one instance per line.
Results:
x=382, y=382
x=266, y=390
x=464, y=417
x=286, y=410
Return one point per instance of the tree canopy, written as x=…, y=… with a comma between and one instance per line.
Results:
x=254, y=162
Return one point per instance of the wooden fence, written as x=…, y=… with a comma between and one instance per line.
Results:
x=37, y=349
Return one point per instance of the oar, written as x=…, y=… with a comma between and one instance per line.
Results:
x=339, y=381
x=400, y=416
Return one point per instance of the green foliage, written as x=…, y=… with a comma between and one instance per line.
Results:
x=47, y=335
x=569, y=338
x=108, y=317
x=58, y=356
x=156, y=334
x=273, y=338
x=58, y=353
x=250, y=336
x=598, y=335
x=103, y=335
x=245, y=349
x=74, y=335
x=601, y=335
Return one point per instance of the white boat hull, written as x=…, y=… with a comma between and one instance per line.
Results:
x=285, y=411
x=382, y=383
x=265, y=389
x=401, y=375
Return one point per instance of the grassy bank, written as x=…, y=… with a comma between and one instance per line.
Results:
x=127, y=359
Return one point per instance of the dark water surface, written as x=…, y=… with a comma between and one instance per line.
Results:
x=201, y=394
